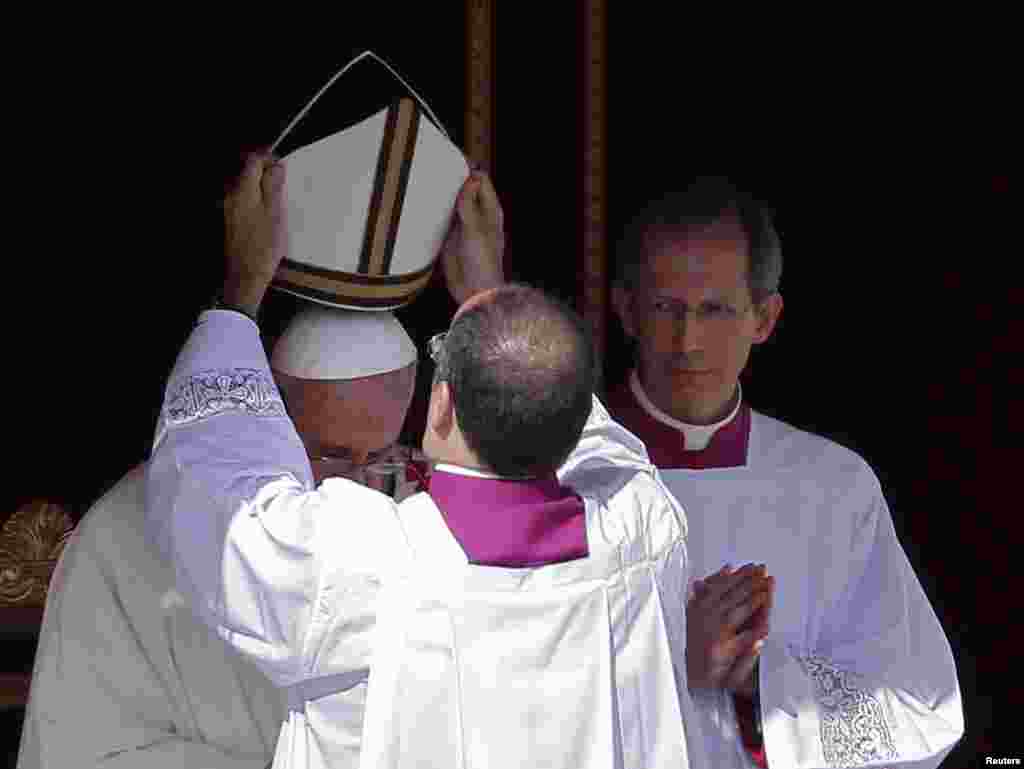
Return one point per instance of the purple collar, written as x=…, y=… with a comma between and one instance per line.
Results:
x=511, y=523
x=665, y=444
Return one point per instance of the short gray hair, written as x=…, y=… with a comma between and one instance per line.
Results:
x=704, y=202
x=522, y=372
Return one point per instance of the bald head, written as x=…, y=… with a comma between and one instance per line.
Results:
x=521, y=370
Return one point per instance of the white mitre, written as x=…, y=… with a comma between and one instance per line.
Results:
x=369, y=206
x=328, y=343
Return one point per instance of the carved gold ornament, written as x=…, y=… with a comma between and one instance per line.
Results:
x=31, y=541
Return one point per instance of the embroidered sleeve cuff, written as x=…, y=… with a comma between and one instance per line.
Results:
x=222, y=367
x=816, y=713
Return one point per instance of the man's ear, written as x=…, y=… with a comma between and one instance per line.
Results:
x=622, y=301
x=441, y=412
x=768, y=312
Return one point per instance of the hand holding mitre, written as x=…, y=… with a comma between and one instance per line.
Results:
x=473, y=253
x=255, y=236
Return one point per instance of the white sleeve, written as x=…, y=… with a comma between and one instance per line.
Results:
x=262, y=556
x=604, y=445
x=880, y=688
x=607, y=457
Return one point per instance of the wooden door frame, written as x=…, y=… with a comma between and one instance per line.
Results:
x=593, y=286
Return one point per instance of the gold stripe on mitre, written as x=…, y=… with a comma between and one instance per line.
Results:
x=392, y=177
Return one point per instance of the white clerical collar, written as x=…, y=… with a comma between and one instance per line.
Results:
x=473, y=472
x=695, y=437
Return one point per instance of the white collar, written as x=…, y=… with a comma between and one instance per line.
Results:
x=469, y=471
x=695, y=437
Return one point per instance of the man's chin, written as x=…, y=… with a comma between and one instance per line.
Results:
x=695, y=396
x=693, y=379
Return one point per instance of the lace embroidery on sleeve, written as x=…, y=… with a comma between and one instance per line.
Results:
x=206, y=393
x=853, y=726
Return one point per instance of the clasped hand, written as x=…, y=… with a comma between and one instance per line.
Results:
x=727, y=621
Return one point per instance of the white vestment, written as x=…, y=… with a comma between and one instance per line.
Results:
x=357, y=604
x=125, y=676
x=856, y=670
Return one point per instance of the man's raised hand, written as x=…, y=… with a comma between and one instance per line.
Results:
x=254, y=231
x=473, y=253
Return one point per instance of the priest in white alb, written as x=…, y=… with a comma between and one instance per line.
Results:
x=509, y=616
x=125, y=675
x=823, y=650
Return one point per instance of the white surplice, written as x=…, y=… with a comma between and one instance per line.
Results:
x=125, y=676
x=857, y=670
x=358, y=605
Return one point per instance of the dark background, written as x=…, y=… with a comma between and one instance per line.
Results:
x=887, y=159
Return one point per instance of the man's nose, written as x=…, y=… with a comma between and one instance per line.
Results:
x=689, y=333
x=359, y=457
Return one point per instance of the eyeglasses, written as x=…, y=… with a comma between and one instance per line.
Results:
x=711, y=313
x=439, y=355
x=384, y=471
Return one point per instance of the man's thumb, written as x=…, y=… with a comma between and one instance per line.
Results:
x=273, y=182
x=468, y=203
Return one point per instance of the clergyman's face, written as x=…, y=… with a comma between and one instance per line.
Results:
x=694, y=319
x=347, y=425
